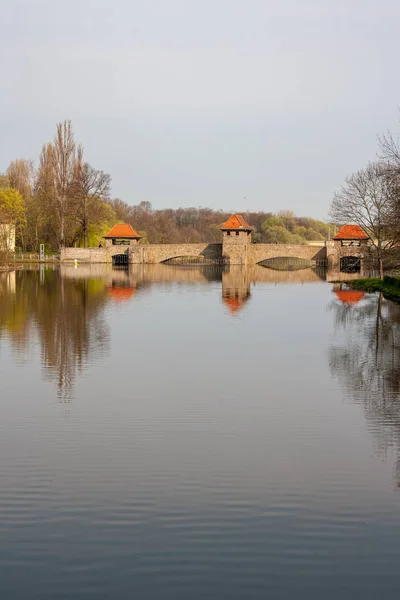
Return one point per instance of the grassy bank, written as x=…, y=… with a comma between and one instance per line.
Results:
x=390, y=286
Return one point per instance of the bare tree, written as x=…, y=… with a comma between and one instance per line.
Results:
x=390, y=154
x=366, y=199
x=45, y=220
x=123, y=211
x=91, y=190
x=20, y=173
x=64, y=160
x=55, y=180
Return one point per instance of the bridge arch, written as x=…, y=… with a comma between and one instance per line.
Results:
x=190, y=260
x=120, y=259
x=161, y=253
x=315, y=255
x=287, y=263
x=350, y=264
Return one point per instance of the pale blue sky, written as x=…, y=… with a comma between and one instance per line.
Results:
x=200, y=102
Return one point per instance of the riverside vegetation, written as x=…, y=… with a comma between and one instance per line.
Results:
x=389, y=286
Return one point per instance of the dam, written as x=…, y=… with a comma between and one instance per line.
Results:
x=122, y=246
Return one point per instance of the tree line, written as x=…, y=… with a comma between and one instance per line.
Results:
x=59, y=203
x=370, y=198
x=191, y=225
x=65, y=201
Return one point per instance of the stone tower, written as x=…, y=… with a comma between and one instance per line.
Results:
x=348, y=250
x=236, y=238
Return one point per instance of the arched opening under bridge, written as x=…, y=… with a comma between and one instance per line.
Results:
x=287, y=263
x=192, y=261
x=350, y=264
x=120, y=259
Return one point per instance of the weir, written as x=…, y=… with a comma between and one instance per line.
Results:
x=122, y=246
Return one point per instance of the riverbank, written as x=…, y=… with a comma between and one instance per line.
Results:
x=390, y=286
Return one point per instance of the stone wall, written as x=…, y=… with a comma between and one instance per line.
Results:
x=86, y=255
x=260, y=252
x=236, y=238
x=157, y=253
x=92, y=255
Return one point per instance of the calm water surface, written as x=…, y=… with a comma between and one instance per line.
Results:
x=191, y=433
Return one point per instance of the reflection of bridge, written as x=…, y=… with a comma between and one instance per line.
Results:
x=138, y=275
x=124, y=284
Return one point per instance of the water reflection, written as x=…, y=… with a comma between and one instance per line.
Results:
x=63, y=310
x=64, y=315
x=205, y=452
x=235, y=288
x=365, y=358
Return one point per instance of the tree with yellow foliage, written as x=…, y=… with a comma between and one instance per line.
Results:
x=12, y=213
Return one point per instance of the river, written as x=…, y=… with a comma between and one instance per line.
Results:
x=192, y=433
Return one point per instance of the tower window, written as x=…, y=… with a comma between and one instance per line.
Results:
x=237, y=233
x=228, y=232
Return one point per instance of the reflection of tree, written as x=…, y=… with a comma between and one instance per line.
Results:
x=367, y=363
x=63, y=314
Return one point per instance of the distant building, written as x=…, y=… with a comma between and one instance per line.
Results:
x=238, y=228
x=351, y=235
x=348, y=248
x=7, y=237
x=122, y=234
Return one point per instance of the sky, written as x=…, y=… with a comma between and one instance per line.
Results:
x=232, y=104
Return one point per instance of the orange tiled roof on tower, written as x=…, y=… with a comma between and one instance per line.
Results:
x=122, y=230
x=237, y=222
x=351, y=232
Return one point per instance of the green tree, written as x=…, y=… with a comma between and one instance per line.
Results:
x=272, y=222
x=277, y=234
x=313, y=235
x=12, y=218
x=12, y=207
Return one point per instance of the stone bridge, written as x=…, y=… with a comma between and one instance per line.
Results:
x=242, y=254
x=236, y=249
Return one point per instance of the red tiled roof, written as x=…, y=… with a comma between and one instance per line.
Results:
x=122, y=230
x=121, y=293
x=349, y=296
x=351, y=232
x=236, y=222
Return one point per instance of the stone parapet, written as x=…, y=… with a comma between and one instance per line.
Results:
x=86, y=255
x=260, y=252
